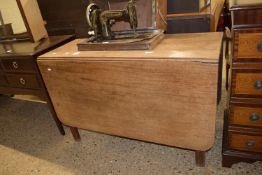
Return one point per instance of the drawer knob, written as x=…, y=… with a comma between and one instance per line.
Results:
x=254, y=117
x=250, y=144
x=22, y=81
x=259, y=46
x=15, y=65
x=258, y=84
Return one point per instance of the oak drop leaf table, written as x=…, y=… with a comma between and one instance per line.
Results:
x=167, y=95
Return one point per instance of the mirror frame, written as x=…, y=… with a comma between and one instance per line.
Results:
x=33, y=19
x=33, y=22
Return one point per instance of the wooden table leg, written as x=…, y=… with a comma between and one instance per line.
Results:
x=200, y=158
x=57, y=121
x=75, y=134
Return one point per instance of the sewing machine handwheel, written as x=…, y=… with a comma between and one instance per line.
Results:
x=132, y=14
x=90, y=8
x=133, y=20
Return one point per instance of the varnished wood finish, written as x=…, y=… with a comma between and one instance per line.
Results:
x=151, y=96
x=33, y=20
x=242, y=127
x=185, y=6
x=247, y=15
x=244, y=84
x=231, y=156
x=179, y=47
x=241, y=115
x=246, y=43
x=105, y=97
x=19, y=73
x=3, y=81
x=75, y=134
x=203, y=21
x=244, y=142
x=26, y=65
x=200, y=158
x=23, y=81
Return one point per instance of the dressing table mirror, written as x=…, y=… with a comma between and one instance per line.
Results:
x=21, y=20
x=23, y=38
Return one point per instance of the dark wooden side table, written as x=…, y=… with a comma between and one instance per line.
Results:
x=19, y=72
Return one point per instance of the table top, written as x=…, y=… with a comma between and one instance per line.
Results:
x=28, y=48
x=203, y=47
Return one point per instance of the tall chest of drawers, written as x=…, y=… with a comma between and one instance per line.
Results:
x=243, y=118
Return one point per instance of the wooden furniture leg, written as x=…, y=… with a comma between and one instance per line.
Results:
x=57, y=121
x=200, y=158
x=75, y=134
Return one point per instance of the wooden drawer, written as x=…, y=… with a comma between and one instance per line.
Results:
x=2, y=80
x=245, y=142
x=23, y=81
x=250, y=45
x=246, y=116
x=246, y=83
x=19, y=65
x=247, y=16
x=247, y=44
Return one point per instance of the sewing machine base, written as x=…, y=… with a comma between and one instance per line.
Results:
x=125, y=40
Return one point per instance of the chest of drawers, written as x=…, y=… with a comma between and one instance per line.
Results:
x=19, y=72
x=243, y=118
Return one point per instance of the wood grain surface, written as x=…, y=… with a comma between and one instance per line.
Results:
x=33, y=19
x=240, y=115
x=247, y=16
x=28, y=81
x=20, y=64
x=245, y=142
x=242, y=127
x=167, y=96
x=3, y=81
x=247, y=45
x=159, y=101
x=203, y=47
x=244, y=84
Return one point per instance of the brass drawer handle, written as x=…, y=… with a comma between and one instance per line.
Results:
x=15, y=65
x=22, y=81
x=258, y=84
x=254, y=117
x=250, y=144
x=259, y=46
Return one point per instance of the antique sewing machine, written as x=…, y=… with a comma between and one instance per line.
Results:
x=101, y=21
x=103, y=38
